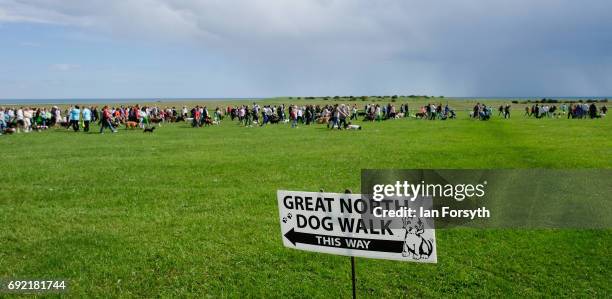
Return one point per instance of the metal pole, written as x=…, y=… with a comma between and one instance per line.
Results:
x=353, y=276
x=348, y=191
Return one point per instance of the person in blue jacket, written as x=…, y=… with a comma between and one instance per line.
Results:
x=86, y=119
x=75, y=116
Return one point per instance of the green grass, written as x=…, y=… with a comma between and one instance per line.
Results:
x=192, y=212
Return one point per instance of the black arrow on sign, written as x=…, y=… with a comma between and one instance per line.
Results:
x=374, y=245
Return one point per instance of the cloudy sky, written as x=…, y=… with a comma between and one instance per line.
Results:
x=260, y=48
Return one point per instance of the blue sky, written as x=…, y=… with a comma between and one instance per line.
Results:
x=260, y=48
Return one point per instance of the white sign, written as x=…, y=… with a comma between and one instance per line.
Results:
x=344, y=224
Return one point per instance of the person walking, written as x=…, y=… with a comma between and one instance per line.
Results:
x=334, y=117
x=294, y=116
x=343, y=113
x=75, y=115
x=354, y=112
x=105, y=121
x=248, y=116
x=86, y=119
x=2, y=121
x=592, y=111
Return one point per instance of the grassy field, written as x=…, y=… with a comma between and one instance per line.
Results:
x=192, y=212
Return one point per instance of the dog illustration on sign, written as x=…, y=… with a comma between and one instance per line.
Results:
x=285, y=219
x=415, y=244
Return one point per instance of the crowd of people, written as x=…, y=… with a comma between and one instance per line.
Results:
x=26, y=119
x=580, y=110
x=336, y=116
x=484, y=112
x=432, y=111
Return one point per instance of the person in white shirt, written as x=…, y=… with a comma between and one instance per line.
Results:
x=20, y=120
x=241, y=114
x=11, y=115
x=58, y=116
x=2, y=120
x=27, y=119
x=300, y=115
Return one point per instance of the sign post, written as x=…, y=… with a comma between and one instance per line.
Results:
x=345, y=224
x=353, y=276
x=348, y=191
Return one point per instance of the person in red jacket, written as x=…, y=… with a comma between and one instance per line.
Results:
x=105, y=121
x=196, y=117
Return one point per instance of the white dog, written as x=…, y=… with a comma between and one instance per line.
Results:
x=350, y=126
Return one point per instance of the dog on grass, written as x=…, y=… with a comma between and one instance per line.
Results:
x=39, y=128
x=157, y=120
x=9, y=131
x=64, y=124
x=323, y=120
x=150, y=130
x=350, y=126
x=208, y=121
x=131, y=125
